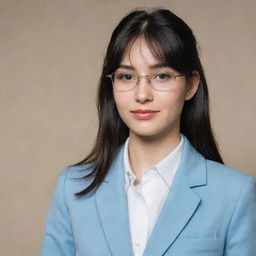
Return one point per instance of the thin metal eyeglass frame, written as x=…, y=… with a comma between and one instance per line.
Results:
x=148, y=78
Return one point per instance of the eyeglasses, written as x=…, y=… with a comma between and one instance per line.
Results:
x=127, y=81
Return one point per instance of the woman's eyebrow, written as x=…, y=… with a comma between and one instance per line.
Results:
x=159, y=65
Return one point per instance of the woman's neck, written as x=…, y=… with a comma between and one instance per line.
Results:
x=145, y=152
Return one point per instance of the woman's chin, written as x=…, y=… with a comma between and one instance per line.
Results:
x=146, y=134
x=159, y=134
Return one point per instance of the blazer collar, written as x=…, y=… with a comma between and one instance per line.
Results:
x=180, y=204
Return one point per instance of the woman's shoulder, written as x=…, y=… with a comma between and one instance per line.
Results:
x=72, y=178
x=222, y=175
x=78, y=171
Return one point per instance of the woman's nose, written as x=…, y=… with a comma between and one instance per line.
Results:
x=143, y=91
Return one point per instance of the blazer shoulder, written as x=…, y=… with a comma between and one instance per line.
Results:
x=228, y=176
x=77, y=171
x=73, y=178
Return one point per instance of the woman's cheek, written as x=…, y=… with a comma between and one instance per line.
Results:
x=122, y=102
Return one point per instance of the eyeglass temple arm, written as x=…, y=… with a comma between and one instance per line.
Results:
x=178, y=75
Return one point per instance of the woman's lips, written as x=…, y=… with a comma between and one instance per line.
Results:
x=144, y=114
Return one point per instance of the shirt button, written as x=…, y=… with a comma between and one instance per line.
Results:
x=137, y=243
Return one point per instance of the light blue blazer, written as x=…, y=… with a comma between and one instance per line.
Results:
x=209, y=211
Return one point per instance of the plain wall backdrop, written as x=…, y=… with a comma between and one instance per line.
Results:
x=51, y=53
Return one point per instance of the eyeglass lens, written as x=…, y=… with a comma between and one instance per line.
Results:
x=125, y=81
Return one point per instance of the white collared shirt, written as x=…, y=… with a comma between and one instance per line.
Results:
x=145, y=200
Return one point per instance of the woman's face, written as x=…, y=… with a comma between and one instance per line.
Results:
x=167, y=105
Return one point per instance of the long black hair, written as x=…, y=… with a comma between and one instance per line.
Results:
x=171, y=41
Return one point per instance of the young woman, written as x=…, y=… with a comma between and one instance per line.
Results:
x=154, y=183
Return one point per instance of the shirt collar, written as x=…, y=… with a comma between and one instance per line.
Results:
x=166, y=167
x=129, y=175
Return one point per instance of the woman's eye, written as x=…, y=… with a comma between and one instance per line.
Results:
x=163, y=76
x=124, y=76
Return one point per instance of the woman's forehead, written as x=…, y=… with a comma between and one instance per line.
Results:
x=155, y=66
x=139, y=51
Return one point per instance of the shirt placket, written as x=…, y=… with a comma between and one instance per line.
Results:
x=138, y=211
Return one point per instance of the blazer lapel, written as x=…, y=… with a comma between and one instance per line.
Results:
x=181, y=202
x=111, y=204
x=179, y=207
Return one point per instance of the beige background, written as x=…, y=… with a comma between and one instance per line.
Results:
x=50, y=60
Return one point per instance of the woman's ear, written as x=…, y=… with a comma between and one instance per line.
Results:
x=192, y=85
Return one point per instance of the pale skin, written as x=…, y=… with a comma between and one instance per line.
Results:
x=152, y=139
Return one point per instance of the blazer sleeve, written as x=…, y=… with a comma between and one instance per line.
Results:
x=241, y=236
x=58, y=237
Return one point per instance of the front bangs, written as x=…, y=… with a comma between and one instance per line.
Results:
x=167, y=48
